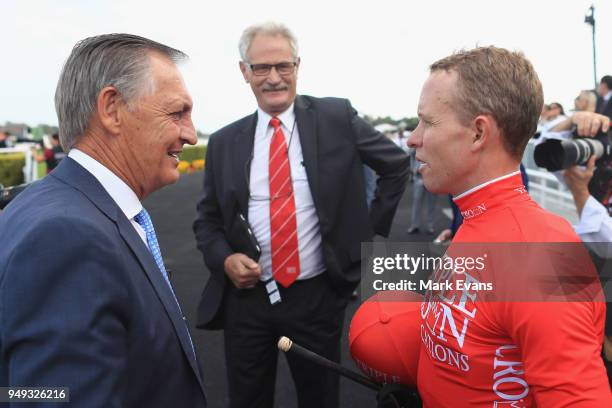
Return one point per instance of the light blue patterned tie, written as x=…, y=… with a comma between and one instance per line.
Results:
x=144, y=220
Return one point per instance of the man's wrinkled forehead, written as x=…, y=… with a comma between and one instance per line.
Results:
x=167, y=78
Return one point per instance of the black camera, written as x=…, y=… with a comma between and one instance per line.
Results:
x=555, y=154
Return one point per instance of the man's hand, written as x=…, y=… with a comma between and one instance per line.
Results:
x=242, y=270
x=577, y=180
x=587, y=124
x=444, y=236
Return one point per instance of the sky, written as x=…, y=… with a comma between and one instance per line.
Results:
x=376, y=53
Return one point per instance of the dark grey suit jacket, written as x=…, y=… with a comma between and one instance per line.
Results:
x=336, y=143
x=83, y=303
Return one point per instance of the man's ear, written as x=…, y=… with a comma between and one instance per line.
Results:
x=482, y=128
x=297, y=66
x=244, y=69
x=109, y=102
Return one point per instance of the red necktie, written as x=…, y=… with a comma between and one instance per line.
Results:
x=283, y=225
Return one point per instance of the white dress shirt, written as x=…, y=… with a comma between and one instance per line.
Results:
x=120, y=192
x=308, y=233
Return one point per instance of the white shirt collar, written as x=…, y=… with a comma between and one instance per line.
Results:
x=287, y=118
x=483, y=185
x=120, y=192
x=607, y=96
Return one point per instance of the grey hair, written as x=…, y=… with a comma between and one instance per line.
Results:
x=269, y=28
x=118, y=60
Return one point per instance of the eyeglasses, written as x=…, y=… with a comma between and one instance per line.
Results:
x=283, y=68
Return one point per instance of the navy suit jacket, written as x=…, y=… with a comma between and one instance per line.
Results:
x=83, y=304
x=336, y=143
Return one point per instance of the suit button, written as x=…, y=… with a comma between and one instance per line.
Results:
x=184, y=318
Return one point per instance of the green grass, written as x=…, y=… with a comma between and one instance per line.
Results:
x=191, y=153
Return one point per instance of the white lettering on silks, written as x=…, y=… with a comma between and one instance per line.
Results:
x=473, y=212
x=444, y=354
x=509, y=372
x=440, y=325
x=446, y=315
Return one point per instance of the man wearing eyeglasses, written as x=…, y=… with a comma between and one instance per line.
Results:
x=291, y=173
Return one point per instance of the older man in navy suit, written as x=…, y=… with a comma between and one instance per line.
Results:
x=85, y=300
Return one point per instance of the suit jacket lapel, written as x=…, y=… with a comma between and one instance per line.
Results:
x=72, y=173
x=242, y=151
x=307, y=125
x=146, y=260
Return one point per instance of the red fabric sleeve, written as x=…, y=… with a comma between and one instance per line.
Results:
x=561, y=345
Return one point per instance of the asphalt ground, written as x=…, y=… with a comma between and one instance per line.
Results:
x=172, y=210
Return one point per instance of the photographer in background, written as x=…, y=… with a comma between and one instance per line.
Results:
x=595, y=222
x=572, y=142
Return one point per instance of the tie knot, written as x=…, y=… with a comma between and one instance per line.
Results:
x=275, y=123
x=143, y=219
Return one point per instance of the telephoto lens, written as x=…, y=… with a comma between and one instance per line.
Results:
x=555, y=154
